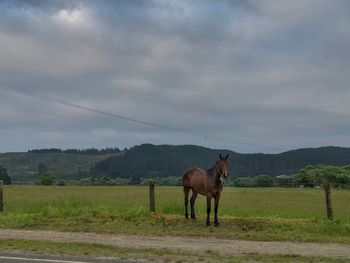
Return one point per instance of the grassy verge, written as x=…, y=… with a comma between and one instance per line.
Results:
x=159, y=224
x=260, y=214
x=77, y=249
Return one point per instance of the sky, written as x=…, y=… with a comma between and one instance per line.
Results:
x=249, y=76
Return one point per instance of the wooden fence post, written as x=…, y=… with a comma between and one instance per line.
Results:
x=1, y=196
x=152, y=205
x=327, y=190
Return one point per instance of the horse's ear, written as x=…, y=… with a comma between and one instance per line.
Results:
x=220, y=156
x=227, y=155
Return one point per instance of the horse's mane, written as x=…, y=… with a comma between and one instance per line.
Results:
x=211, y=171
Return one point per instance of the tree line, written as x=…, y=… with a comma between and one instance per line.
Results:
x=89, y=151
x=337, y=176
x=166, y=161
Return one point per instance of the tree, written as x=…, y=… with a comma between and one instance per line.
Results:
x=342, y=181
x=47, y=179
x=264, y=181
x=304, y=178
x=327, y=177
x=4, y=176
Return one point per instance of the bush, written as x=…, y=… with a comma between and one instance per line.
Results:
x=61, y=183
x=121, y=181
x=146, y=181
x=47, y=179
x=264, y=181
x=105, y=181
x=4, y=176
x=244, y=182
x=85, y=181
x=171, y=181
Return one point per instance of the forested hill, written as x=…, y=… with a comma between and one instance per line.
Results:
x=23, y=166
x=167, y=160
x=148, y=160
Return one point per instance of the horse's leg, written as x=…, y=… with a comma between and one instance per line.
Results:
x=186, y=192
x=216, y=220
x=208, y=210
x=193, y=200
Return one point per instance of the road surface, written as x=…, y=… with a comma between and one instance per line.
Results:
x=20, y=257
x=228, y=246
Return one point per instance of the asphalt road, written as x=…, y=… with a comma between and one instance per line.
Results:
x=33, y=258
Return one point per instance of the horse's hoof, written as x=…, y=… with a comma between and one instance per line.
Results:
x=193, y=217
x=216, y=224
x=207, y=223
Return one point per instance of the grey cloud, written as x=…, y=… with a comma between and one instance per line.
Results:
x=274, y=74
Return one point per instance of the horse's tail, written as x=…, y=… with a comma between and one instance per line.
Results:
x=186, y=180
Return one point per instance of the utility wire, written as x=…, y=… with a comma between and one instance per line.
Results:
x=18, y=90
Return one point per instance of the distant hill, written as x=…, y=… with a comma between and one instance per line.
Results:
x=168, y=160
x=22, y=167
x=148, y=160
x=151, y=160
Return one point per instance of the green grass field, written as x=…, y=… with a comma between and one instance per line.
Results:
x=263, y=214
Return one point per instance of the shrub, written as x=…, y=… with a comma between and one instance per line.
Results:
x=47, y=179
x=61, y=183
x=4, y=176
x=264, y=181
x=244, y=182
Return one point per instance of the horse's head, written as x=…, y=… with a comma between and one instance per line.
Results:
x=222, y=166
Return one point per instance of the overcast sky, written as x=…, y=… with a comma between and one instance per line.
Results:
x=250, y=76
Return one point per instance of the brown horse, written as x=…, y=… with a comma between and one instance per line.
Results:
x=208, y=183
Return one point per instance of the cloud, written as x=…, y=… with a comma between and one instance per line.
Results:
x=272, y=73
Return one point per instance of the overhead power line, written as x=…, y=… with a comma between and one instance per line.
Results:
x=18, y=90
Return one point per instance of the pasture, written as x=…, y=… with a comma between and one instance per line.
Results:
x=259, y=213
